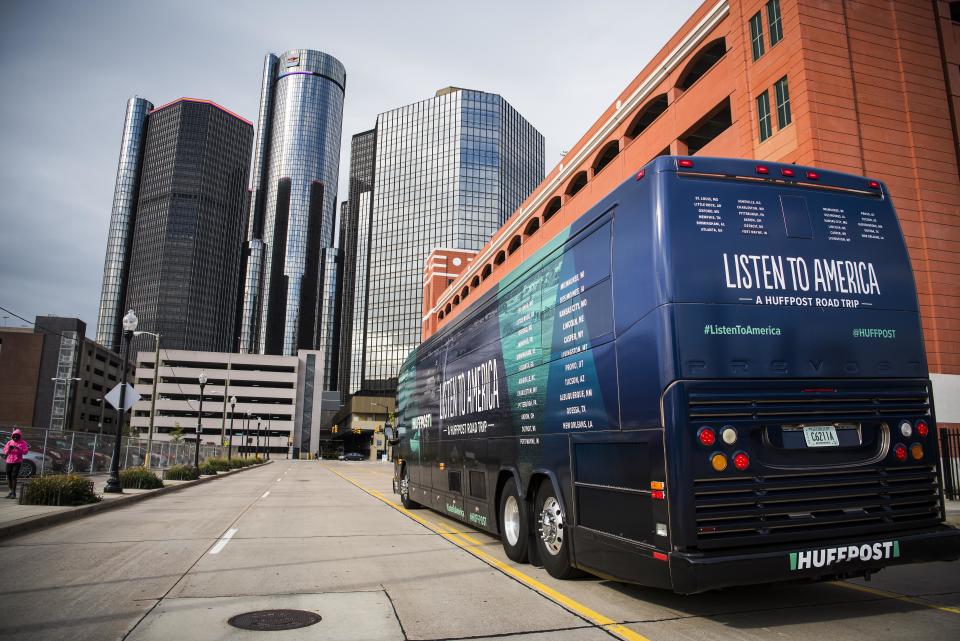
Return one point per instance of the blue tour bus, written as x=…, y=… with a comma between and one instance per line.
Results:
x=714, y=377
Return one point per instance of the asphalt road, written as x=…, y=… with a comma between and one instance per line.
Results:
x=324, y=537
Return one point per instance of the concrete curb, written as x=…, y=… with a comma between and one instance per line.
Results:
x=41, y=521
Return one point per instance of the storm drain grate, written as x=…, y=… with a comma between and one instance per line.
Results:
x=272, y=620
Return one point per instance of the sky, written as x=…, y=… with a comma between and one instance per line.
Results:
x=67, y=69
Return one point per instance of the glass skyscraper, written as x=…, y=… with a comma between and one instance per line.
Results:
x=122, y=217
x=447, y=172
x=355, y=245
x=293, y=200
x=176, y=234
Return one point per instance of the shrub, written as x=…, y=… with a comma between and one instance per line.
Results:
x=139, y=478
x=219, y=464
x=182, y=473
x=236, y=463
x=207, y=469
x=65, y=489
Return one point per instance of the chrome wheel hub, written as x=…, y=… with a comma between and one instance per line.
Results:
x=511, y=520
x=551, y=526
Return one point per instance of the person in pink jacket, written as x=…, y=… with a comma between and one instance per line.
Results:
x=14, y=449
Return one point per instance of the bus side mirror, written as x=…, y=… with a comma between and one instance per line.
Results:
x=390, y=433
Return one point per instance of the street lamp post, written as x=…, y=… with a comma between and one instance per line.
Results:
x=113, y=483
x=258, y=438
x=266, y=438
x=246, y=435
x=153, y=394
x=233, y=404
x=196, y=453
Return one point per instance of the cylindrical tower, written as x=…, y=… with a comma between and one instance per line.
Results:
x=122, y=216
x=293, y=201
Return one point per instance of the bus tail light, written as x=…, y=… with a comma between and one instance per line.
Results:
x=741, y=461
x=900, y=452
x=906, y=429
x=660, y=556
x=718, y=461
x=686, y=163
x=658, y=485
x=728, y=435
x=786, y=171
x=874, y=184
x=761, y=169
x=641, y=174
x=916, y=451
x=706, y=436
x=658, y=495
x=922, y=429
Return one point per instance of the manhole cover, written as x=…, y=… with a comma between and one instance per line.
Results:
x=274, y=620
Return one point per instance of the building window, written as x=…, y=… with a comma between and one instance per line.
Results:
x=783, y=103
x=763, y=116
x=756, y=35
x=773, y=20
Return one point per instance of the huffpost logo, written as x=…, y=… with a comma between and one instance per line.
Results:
x=828, y=556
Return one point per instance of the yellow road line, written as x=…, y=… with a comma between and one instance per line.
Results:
x=898, y=597
x=472, y=546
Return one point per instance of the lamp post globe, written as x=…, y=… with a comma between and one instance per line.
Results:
x=196, y=453
x=114, y=486
x=233, y=404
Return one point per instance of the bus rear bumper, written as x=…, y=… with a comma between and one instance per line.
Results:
x=697, y=572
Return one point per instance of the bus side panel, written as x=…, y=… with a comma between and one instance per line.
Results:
x=639, y=282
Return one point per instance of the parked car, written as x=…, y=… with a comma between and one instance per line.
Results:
x=33, y=461
x=354, y=456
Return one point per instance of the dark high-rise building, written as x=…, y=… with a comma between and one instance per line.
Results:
x=446, y=173
x=355, y=245
x=290, y=269
x=175, y=245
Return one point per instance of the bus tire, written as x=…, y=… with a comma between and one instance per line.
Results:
x=551, y=533
x=514, y=523
x=405, y=491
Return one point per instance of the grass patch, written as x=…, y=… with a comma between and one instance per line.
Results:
x=60, y=489
x=139, y=478
x=182, y=473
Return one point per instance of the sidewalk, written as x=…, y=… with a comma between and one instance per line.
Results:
x=17, y=519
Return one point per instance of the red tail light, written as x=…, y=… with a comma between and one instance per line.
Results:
x=762, y=170
x=922, y=429
x=874, y=184
x=706, y=436
x=660, y=556
x=787, y=172
x=812, y=175
x=658, y=495
x=685, y=162
x=741, y=461
x=641, y=174
x=900, y=452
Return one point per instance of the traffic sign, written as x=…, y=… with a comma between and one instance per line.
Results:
x=131, y=397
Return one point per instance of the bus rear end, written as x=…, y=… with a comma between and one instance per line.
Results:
x=800, y=434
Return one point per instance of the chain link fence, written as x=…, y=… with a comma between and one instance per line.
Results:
x=62, y=452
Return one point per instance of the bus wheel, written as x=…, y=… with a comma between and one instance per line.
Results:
x=551, y=534
x=405, y=491
x=514, y=523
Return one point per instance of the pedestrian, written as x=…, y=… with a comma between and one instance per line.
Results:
x=14, y=449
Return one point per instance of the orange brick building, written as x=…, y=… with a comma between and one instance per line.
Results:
x=870, y=87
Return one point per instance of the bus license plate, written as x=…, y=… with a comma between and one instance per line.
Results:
x=820, y=436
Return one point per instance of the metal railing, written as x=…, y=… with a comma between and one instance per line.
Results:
x=62, y=452
x=950, y=459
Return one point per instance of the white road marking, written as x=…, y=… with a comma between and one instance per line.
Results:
x=278, y=480
x=222, y=543
x=265, y=494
